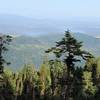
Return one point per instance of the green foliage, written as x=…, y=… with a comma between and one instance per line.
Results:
x=90, y=63
x=98, y=67
x=88, y=86
x=4, y=41
x=57, y=79
x=56, y=71
x=70, y=50
x=28, y=72
x=45, y=80
x=48, y=81
x=8, y=76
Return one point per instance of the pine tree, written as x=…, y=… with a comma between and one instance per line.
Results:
x=4, y=41
x=89, y=89
x=44, y=79
x=70, y=50
x=56, y=71
x=28, y=81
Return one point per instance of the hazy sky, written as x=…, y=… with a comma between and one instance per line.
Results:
x=57, y=9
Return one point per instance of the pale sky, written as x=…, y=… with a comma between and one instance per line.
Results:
x=55, y=9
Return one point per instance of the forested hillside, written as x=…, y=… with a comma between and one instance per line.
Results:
x=30, y=49
x=55, y=79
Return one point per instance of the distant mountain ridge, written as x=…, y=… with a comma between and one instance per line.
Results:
x=14, y=24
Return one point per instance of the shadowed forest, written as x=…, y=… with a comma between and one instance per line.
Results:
x=64, y=78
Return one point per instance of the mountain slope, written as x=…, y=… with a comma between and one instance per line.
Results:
x=26, y=49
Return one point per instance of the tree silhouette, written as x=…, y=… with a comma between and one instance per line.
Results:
x=70, y=50
x=4, y=41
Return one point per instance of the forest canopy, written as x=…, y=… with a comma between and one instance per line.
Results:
x=56, y=79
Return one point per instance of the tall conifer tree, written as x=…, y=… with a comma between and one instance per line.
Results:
x=70, y=50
